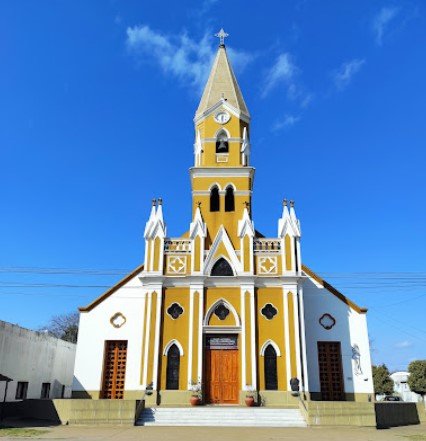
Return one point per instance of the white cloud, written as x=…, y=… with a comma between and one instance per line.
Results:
x=404, y=344
x=179, y=55
x=381, y=22
x=287, y=121
x=343, y=76
x=283, y=71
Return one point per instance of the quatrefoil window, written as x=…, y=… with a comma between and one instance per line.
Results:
x=327, y=321
x=269, y=311
x=174, y=310
x=221, y=311
x=117, y=320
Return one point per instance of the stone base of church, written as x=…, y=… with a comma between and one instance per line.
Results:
x=277, y=398
x=358, y=397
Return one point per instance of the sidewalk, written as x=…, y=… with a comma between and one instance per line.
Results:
x=81, y=433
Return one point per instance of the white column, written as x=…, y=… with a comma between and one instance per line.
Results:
x=243, y=339
x=190, y=337
x=159, y=292
x=286, y=337
x=297, y=333
x=147, y=334
x=253, y=339
x=303, y=339
x=200, y=333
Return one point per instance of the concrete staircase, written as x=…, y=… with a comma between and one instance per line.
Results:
x=221, y=416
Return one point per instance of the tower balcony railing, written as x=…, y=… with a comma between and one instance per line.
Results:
x=267, y=245
x=177, y=246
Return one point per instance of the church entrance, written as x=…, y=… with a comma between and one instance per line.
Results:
x=222, y=385
x=330, y=371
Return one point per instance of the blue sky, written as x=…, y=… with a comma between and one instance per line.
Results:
x=96, y=107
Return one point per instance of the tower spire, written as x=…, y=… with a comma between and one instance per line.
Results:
x=222, y=84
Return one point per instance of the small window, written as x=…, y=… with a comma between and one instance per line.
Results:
x=63, y=391
x=214, y=199
x=229, y=199
x=222, y=142
x=173, y=365
x=21, y=390
x=222, y=268
x=45, y=390
x=271, y=378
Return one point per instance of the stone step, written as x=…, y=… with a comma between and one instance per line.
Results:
x=221, y=416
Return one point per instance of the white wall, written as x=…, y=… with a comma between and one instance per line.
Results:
x=350, y=329
x=95, y=328
x=37, y=358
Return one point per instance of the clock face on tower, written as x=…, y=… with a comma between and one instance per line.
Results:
x=222, y=117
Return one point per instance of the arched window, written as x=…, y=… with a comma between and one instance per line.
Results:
x=214, y=199
x=222, y=268
x=229, y=199
x=173, y=364
x=270, y=358
x=222, y=142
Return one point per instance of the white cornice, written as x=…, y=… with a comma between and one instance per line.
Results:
x=221, y=172
x=226, y=281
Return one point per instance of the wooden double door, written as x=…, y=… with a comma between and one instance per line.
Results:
x=222, y=378
x=331, y=371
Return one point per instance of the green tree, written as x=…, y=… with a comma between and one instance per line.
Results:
x=64, y=326
x=383, y=383
x=417, y=378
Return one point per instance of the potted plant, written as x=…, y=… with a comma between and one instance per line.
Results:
x=250, y=394
x=196, y=394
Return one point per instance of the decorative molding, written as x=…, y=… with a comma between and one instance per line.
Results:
x=170, y=344
x=226, y=172
x=176, y=264
x=225, y=303
x=273, y=344
x=267, y=265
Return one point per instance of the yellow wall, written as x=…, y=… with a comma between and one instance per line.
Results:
x=273, y=330
x=175, y=329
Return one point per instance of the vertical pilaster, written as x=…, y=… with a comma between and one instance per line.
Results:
x=286, y=337
x=303, y=340
x=243, y=339
x=253, y=339
x=147, y=336
x=157, y=336
x=200, y=334
x=297, y=333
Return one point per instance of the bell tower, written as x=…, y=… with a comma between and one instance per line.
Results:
x=222, y=179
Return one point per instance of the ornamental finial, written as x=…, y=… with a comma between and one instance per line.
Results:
x=160, y=201
x=154, y=202
x=292, y=203
x=284, y=202
x=221, y=35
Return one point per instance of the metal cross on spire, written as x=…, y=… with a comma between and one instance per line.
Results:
x=221, y=35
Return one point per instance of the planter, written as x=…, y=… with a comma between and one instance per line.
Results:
x=194, y=400
x=249, y=401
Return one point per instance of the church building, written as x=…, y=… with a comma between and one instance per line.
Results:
x=222, y=311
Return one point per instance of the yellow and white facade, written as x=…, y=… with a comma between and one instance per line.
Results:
x=222, y=297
